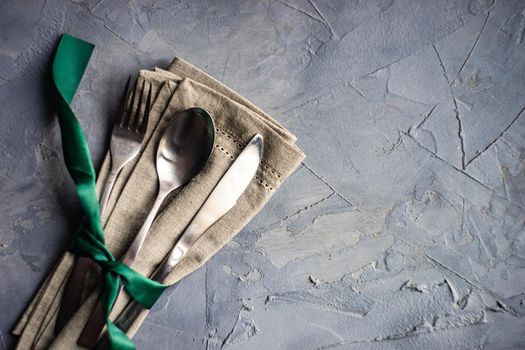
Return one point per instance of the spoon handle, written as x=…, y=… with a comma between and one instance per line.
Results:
x=135, y=246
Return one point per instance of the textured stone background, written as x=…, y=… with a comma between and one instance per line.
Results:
x=404, y=227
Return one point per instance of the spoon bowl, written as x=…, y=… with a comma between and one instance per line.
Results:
x=184, y=147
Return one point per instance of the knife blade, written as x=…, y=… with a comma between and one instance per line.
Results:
x=223, y=197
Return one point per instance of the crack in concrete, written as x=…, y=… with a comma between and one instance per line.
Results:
x=456, y=111
x=498, y=137
x=471, y=50
x=246, y=327
x=2, y=342
x=463, y=172
x=519, y=39
x=102, y=20
x=402, y=97
x=330, y=186
x=207, y=315
x=460, y=134
x=301, y=11
x=391, y=63
x=357, y=91
x=137, y=15
x=41, y=15
x=306, y=102
x=328, y=25
x=231, y=332
x=305, y=208
x=383, y=10
x=116, y=34
x=96, y=5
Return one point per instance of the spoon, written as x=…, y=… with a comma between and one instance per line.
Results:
x=183, y=150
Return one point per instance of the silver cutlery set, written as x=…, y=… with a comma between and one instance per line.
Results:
x=182, y=153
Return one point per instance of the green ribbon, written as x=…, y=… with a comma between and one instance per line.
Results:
x=71, y=59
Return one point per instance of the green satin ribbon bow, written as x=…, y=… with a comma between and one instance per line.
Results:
x=71, y=59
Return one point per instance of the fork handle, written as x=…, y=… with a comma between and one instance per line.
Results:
x=135, y=246
x=110, y=182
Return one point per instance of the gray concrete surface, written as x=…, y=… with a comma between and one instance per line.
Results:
x=404, y=227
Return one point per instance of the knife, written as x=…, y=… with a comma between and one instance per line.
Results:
x=223, y=197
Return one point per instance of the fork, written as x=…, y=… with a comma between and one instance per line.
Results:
x=126, y=140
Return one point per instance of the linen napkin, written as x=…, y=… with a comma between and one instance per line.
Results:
x=182, y=86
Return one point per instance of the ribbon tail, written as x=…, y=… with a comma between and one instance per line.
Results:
x=69, y=64
x=118, y=340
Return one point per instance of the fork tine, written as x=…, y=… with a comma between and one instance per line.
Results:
x=127, y=115
x=125, y=93
x=124, y=103
x=134, y=120
x=144, y=122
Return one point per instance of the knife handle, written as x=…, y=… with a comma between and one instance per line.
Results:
x=72, y=298
x=126, y=320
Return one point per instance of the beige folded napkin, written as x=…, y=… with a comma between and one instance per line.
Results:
x=237, y=121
